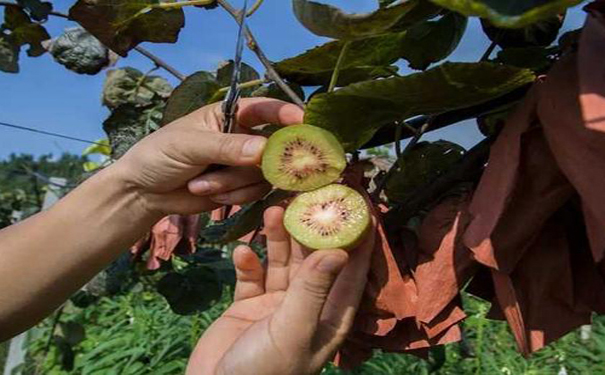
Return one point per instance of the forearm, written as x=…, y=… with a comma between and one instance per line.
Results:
x=46, y=258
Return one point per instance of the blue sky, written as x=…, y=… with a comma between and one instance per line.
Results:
x=47, y=96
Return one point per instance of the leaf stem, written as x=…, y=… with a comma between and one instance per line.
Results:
x=254, y=47
x=181, y=4
x=488, y=51
x=254, y=7
x=246, y=85
x=336, y=73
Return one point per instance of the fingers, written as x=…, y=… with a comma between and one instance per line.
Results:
x=244, y=195
x=259, y=111
x=308, y=292
x=278, y=250
x=225, y=180
x=249, y=273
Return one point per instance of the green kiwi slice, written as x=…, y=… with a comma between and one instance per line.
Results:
x=302, y=158
x=332, y=217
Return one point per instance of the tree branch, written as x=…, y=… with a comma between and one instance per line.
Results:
x=161, y=63
x=156, y=60
x=254, y=47
x=254, y=7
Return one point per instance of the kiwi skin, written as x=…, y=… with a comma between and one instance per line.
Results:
x=322, y=203
x=302, y=158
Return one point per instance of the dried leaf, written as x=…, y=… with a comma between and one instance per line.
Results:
x=131, y=86
x=9, y=55
x=79, y=51
x=24, y=31
x=122, y=24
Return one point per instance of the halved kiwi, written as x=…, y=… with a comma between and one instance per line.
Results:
x=332, y=217
x=302, y=158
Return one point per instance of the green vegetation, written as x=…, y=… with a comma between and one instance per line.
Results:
x=136, y=333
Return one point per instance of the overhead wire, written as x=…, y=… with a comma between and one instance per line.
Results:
x=52, y=134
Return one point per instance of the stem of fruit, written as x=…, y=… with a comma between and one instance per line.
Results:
x=254, y=7
x=336, y=73
x=254, y=47
x=156, y=60
x=245, y=85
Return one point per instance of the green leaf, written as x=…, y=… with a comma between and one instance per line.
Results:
x=130, y=86
x=424, y=163
x=242, y=222
x=354, y=113
x=129, y=123
x=365, y=59
x=193, y=93
x=100, y=147
x=509, y=13
x=79, y=51
x=191, y=292
x=9, y=55
x=24, y=31
x=537, y=59
x=38, y=10
x=247, y=73
x=432, y=41
x=329, y=21
x=538, y=34
x=122, y=24
x=275, y=92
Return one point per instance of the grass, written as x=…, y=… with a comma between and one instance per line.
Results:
x=3, y=353
x=138, y=334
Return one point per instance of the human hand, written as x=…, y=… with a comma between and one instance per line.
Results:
x=289, y=318
x=165, y=169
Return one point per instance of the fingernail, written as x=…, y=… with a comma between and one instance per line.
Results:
x=200, y=186
x=332, y=263
x=253, y=147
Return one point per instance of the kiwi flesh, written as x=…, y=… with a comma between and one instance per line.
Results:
x=332, y=217
x=302, y=158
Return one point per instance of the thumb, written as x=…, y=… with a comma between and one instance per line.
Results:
x=308, y=292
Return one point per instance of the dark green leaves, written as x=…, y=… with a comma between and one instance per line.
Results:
x=79, y=51
x=424, y=163
x=541, y=33
x=509, y=13
x=190, y=292
x=535, y=58
x=432, y=41
x=242, y=222
x=23, y=31
x=193, y=93
x=365, y=59
x=122, y=24
x=9, y=55
x=247, y=73
x=329, y=21
x=38, y=10
x=354, y=113
x=130, y=123
x=274, y=91
x=129, y=85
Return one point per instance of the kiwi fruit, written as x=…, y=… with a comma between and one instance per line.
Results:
x=302, y=158
x=332, y=217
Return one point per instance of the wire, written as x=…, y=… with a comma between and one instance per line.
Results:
x=50, y=133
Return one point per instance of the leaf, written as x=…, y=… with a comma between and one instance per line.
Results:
x=128, y=124
x=130, y=86
x=329, y=21
x=365, y=59
x=509, y=13
x=191, y=292
x=38, y=10
x=72, y=332
x=9, y=55
x=122, y=24
x=423, y=164
x=275, y=92
x=193, y=93
x=24, y=31
x=79, y=51
x=432, y=41
x=243, y=221
x=100, y=147
x=537, y=59
x=355, y=112
x=538, y=34
x=247, y=73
